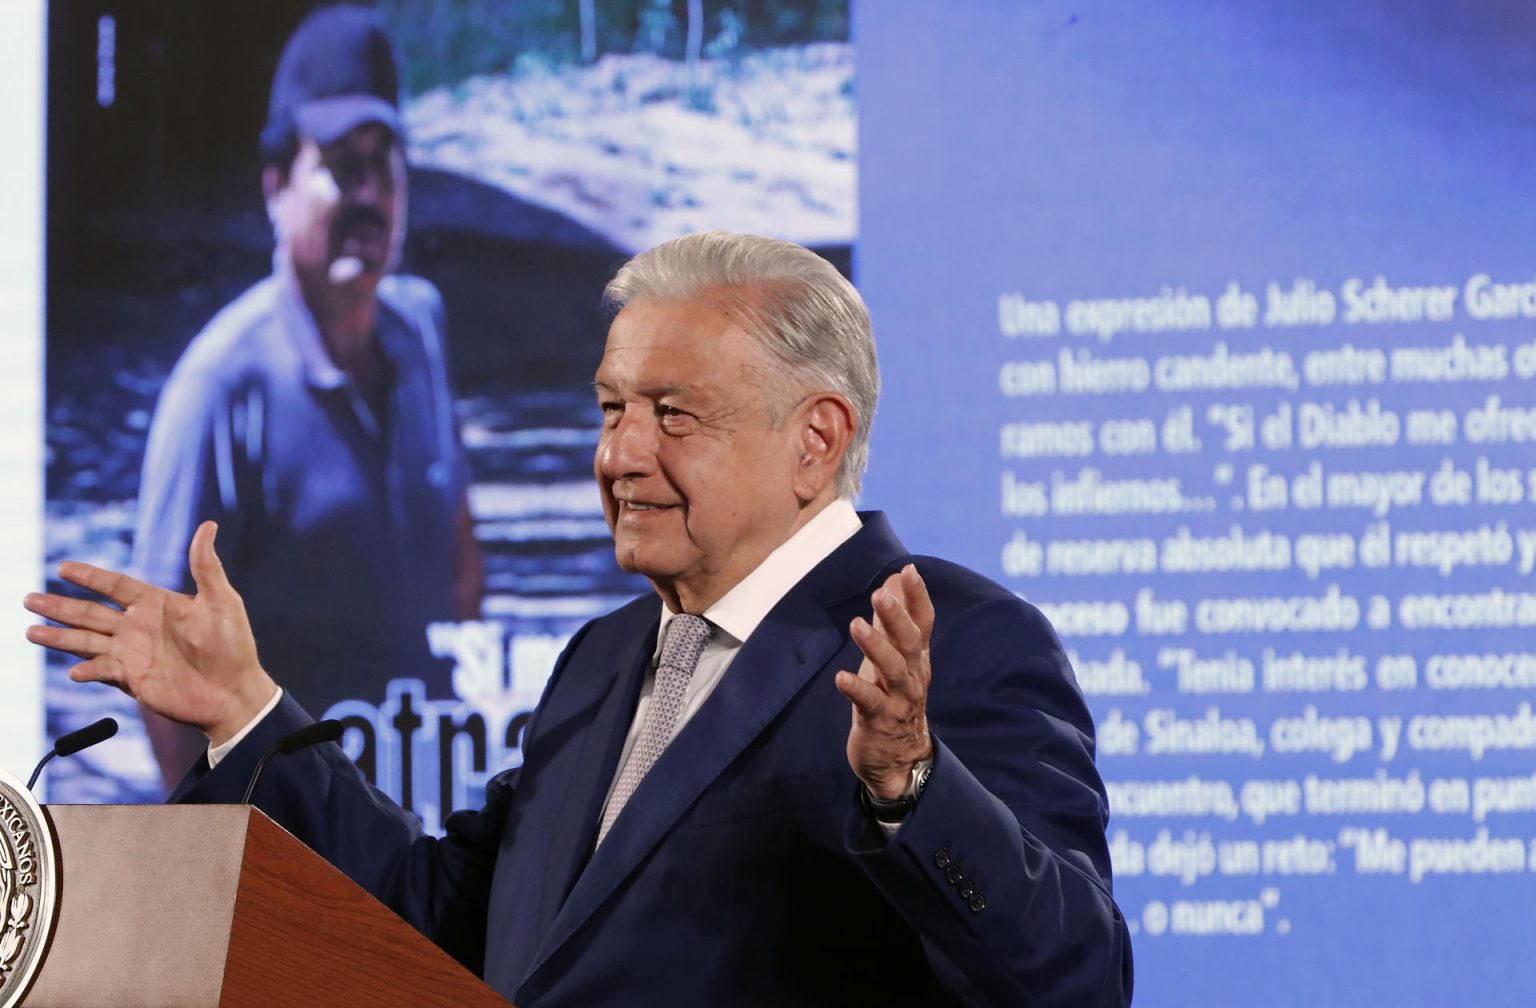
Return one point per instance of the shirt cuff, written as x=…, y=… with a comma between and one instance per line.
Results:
x=218, y=752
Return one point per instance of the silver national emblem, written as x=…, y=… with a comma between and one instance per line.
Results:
x=29, y=887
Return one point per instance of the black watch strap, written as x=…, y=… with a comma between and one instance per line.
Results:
x=893, y=810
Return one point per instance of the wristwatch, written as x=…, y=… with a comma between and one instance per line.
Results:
x=894, y=810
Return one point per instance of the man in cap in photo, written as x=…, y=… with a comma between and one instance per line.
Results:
x=312, y=417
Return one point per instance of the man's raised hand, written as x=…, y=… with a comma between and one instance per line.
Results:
x=890, y=692
x=191, y=658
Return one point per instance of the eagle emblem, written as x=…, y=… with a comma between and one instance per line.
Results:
x=28, y=889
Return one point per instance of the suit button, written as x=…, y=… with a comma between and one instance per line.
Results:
x=965, y=889
x=977, y=903
x=941, y=857
x=953, y=874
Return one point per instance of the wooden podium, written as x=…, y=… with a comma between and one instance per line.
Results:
x=195, y=906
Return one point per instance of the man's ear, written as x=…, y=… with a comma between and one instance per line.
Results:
x=273, y=181
x=826, y=424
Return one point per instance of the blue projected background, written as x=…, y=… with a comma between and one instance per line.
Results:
x=1208, y=328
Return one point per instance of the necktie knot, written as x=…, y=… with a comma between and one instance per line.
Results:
x=686, y=637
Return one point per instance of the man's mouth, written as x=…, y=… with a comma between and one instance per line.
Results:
x=625, y=505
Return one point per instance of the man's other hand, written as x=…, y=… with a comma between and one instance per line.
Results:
x=191, y=658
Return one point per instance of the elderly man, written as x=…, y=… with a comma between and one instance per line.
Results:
x=311, y=418
x=696, y=822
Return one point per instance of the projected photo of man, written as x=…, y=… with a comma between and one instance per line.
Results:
x=312, y=417
x=230, y=335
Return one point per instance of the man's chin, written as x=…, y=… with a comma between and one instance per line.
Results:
x=635, y=558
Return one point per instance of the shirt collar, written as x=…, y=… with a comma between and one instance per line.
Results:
x=302, y=330
x=740, y=610
x=321, y=371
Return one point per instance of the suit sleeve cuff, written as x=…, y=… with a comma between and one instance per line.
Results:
x=216, y=753
x=226, y=783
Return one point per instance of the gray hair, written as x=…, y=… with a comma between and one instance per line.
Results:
x=804, y=314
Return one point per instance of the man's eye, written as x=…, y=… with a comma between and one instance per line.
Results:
x=673, y=419
x=351, y=169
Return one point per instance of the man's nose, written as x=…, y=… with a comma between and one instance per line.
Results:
x=629, y=447
x=372, y=184
x=364, y=180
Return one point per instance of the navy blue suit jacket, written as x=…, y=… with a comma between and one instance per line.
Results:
x=742, y=871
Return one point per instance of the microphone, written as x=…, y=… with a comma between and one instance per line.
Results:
x=73, y=742
x=328, y=730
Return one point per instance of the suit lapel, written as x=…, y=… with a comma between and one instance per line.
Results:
x=595, y=700
x=792, y=646
x=575, y=829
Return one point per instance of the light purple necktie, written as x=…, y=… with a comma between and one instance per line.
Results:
x=686, y=637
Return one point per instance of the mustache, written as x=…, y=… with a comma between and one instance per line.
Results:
x=360, y=215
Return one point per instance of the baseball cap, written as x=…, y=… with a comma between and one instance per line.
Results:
x=336, y=73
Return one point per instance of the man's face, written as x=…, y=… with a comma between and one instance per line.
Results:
x=340, y=212
x=697, y=483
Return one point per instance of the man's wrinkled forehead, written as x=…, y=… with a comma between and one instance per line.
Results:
x=708, y=319
x=675, y=346
x=651, y=374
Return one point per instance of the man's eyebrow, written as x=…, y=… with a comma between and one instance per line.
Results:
x=650, y=392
